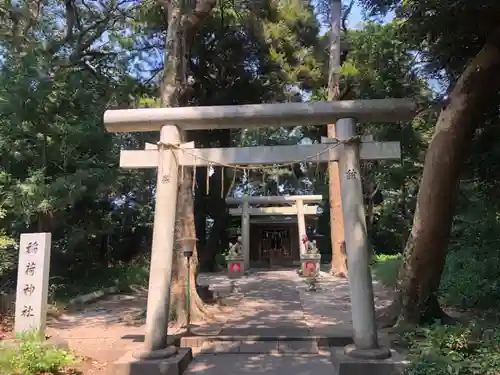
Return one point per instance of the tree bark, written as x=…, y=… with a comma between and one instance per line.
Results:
x=475, y=93
x=339, y=261
x=200, y=210
x=216, y=206
x=185, y=228
x=182, y=22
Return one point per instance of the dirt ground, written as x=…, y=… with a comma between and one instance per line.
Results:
x=99, y=333
x=104, y=331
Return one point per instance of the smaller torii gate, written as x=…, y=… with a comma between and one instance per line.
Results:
x=172, y=153
x=299, y=208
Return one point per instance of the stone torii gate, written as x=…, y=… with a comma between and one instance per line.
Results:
x=299, y=209
x=168, y=156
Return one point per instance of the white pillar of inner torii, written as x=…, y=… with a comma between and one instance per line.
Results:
x=301, y=223
x=245, y=233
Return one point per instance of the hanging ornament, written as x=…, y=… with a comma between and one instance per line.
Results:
x=232, y=182
x=209, y=168
x=317, y=169
x=222, y=182
x=182, y=174
x=264, y=187
x=193, y=187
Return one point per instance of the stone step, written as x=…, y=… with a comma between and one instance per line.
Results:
x=236, y=341
x=259, y=347
x=247, y=364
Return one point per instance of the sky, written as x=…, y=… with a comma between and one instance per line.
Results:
x=356, y=17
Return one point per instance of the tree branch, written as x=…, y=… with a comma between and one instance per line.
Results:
x=71, y=17
x=200, y=13
x=345, y=15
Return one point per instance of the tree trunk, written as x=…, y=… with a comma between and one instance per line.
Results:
x=185, y=228
x=200, y=210
x=339, y=261
x=182, y=22
x=216, y=207
x=217, y=241
x=475, y=93
x=370, y=189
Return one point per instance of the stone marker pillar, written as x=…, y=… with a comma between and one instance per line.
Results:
x=160, y=276
x=245, y=233
x=301, y=221
x=360, y=281
x=32, y=283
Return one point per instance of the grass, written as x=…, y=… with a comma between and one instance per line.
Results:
x=386, y=268
x=33, y=357
x=454, y=350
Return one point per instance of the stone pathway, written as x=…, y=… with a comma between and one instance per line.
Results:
x=236, y=364
x=275, y=305
x=278, y=302
x=267, y=305
x=270, y=306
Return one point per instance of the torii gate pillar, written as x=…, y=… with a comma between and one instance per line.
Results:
x=356, y=239
x=160, y=275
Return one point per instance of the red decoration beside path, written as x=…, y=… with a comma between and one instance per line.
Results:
x=235, y=267
x=311, y=266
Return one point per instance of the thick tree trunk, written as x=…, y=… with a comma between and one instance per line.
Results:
x=339, y=261
x=370, y=190
x=200, y=210
x=475, y=93
x=217, y=240
x=216, y=206
x=185, y=228
x=173, y=90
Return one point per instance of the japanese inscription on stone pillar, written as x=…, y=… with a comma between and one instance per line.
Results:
x=32, y=282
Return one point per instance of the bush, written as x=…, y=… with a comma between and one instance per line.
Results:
x=386, y=268
x=471, y=281
x=467, y=281
x=454, y=350
x=122, y=275
x=33, y=357
x=220, y=261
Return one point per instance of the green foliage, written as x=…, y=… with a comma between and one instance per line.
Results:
x=220, y=261
x=444, y=33
x=471, y=281
x=8, y=255
x=454, y=350
x=122, y=275
x=471, y=276
x=33, y=357
x=386, y=268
